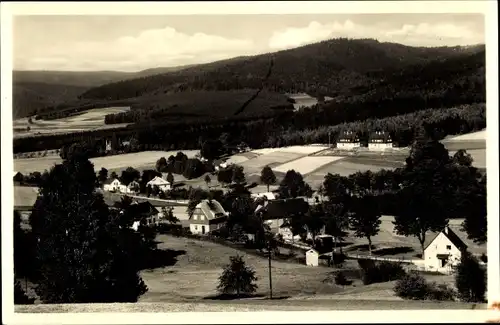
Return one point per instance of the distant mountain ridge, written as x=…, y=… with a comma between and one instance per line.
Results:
x=344, y=69
x=33, y=90
x=330, y=68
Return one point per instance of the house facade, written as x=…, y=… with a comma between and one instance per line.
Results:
x=380, y=140
x=162, y=184
x=444, y=252
x=348, y=140
x=207, y=216
x=144, y=213
x=276, y=212
x=114, y=185
x=133, y=187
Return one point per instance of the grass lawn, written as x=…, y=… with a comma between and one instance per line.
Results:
x=195, y=273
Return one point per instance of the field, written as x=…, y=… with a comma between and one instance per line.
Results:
x=89, y=120
x=306, y=164
x=138, y=160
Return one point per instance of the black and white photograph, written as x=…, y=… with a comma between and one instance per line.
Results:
x=324, y=161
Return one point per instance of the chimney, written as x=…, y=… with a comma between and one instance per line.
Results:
x=446, y=230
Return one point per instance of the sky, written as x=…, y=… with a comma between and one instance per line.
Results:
x=134, y=43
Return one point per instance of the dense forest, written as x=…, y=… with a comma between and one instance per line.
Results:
x=334, y=67
x=279, y=130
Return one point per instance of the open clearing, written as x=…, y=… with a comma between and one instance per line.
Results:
x=479, y=135
x=88, y=120
x=139, y=160
x=306, y=164
x=255, y=165
x=303, y=150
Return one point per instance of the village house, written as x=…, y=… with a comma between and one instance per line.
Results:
x=114, y=185
x=348, y=140
x=144, y=213
x=266, y=195
x=276, y=212
x=380, y=140
x=207, y=216
x=162, y=184
x=133, y=187
x=444, y=251
x=24, y=200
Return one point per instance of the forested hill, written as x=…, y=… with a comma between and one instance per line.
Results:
x=338, y=67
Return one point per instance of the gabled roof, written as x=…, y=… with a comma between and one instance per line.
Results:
x=212, y=209
x=111, y=180
x=25, y=197
x=133, y=182
x=348, y=136
x=142, y=209
x=380, y=135
x=158, y=181
x=284, y=208
x=452, y=237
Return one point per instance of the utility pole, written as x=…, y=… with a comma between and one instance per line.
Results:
x=270, y=278
x=328, y=139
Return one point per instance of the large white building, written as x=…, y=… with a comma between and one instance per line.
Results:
x=444, y=252
x=348, y=140
x=380, y=140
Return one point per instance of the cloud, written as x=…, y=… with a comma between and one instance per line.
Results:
x=423, y=34
x=154, y=47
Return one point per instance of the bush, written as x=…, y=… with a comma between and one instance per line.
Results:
x=340, y=279
x=338, y=259
x=470, y=279
x=441, y=292
x=381, y=272
x=412, y=286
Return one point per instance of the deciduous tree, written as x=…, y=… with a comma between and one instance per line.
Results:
x=267, y=177
x=237, y=278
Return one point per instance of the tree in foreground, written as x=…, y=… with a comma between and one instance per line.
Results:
x=20, y=297
x=427, y=199
x=82, y=249
x=470, y=279
x=237, y=278
x=267, y=176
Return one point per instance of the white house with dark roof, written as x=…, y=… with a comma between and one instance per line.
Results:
x=444, y=251
x=114, y=185
x=162, y=184
x=380, y=140
x=348, y=140
x=207, y=216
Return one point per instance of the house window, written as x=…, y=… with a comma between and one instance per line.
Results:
x=195, y=227
x=448, y=247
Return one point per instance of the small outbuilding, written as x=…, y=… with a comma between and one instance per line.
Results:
x=312, y=257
